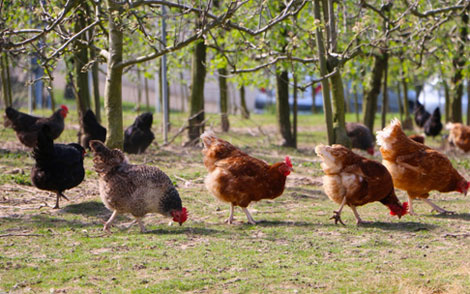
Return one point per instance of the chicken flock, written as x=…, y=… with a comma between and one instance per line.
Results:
x=237, y=178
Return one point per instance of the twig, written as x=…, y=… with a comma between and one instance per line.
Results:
x=21, y=235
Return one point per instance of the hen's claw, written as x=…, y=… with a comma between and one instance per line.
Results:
x=337, y=218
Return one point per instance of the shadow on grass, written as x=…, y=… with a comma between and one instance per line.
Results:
x=90, y=208
x=42, y=221
x=400, y=226
x=462, y=216
x=186, y=230
x=270, y=223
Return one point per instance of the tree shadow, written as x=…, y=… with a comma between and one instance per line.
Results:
x=399, y=226
x=462, y=216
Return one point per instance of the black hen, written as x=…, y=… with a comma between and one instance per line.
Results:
x=421, y=115
x=27, y=126
x=433, y=125
x=58, y=167
x=361, y=137
x=92, y=130
x=138, y=136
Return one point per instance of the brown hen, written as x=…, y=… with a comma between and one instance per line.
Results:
x=238, y=178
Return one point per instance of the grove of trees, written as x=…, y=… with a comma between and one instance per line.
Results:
x=349, y=47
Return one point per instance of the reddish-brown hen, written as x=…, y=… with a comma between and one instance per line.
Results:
x=416, y=168
x=238, y=178
x=459, y=136
x=355, y=180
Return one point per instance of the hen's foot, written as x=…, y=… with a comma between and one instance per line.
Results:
x=442, y=211
x=337, y=218
x=252, y=221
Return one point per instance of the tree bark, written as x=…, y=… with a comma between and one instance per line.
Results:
x=96, y=84
x=370, y=100
x=244, y=109
x=198, y=75
x=339, y=122
x=468, y=104
x=5, y=84
x=407, y=123
x=323, y=72
x=384, y=91
x=294, y=112
x=147, y=96
x=8, y=80
x=457, y=80
x=139, y=90
x=81, y=59
x=400, y=104
x=223, y=94
x=282, y=108
x=356, y=102
x=113, y=86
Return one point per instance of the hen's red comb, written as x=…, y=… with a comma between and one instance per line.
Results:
x=288, y=162
x=64, y=108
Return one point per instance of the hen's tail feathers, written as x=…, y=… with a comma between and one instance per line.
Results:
x=384, y=135
x=45, y=144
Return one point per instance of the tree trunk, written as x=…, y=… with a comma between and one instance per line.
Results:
x=282, y=108
x=339, y=125
x=8, y=80
x=245, y=111
x=139, y=90
x=294, y=112
x=5, y=84
x=223, y=93
x=96, y=84
x=323, y=72
x=356, y=102
x=384, y=91
x=370, y=100
x=447, y=100
x=198, y=75
x=314, y=94
x=400, y=106
x=80, y=60
x=147, y=96
x=113, y=86
x=407, y=124
x=468, y=100
x=457, y=79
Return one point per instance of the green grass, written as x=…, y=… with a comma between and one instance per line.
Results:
x=295, y=248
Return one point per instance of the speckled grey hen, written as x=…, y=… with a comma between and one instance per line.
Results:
x=134, y=189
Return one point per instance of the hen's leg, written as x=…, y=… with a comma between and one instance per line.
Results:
x=57, y=202
x=437, y=208
x=141, y=224
x=230, y=217
x=337, y=215
x=110, y=220
x=358, y=218
x=248, y=215
x=410, y=203
x=59, y=194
